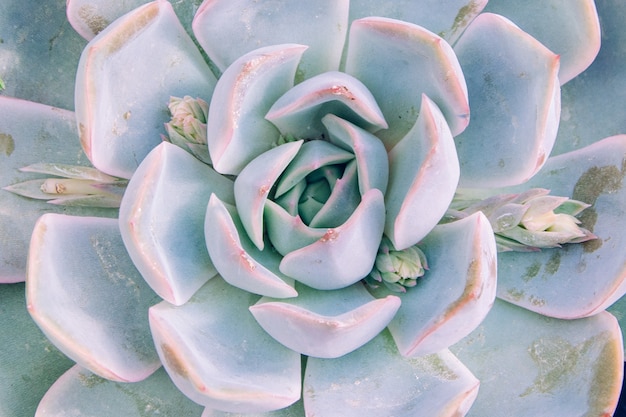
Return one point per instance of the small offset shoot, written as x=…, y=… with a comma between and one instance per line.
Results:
x=71, y=185
x=528, y=221
x=187, y=128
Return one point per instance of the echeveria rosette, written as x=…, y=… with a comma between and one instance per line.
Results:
x=330, y=376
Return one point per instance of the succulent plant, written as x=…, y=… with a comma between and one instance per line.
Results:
x=333, y=207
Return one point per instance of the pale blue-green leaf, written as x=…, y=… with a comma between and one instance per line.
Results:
x=311, y=156
x=514, y=90
x=237, y=131
x=369, y=151
x=228, y=29
x=344, y=198
x=29, y=363
x=218, y=355
x=84, y=292
x=589, y=108
x=162, y=220
x=121, y=100
x=326, y=324
x=398, y=62
x=294, y=410
x=300, y=110
x=39, y=52
x=569, y=28
x=530, y=365
x=593, y=272
x=376, y=381
x=423, y=176
x=290, y=201
x=31, y=133
x=83, y=393
x=90, y=17
x=286, y=232
x=456, y=292
x=346, y=253
x=447, y=19
x=237, y=259
x=254, y=183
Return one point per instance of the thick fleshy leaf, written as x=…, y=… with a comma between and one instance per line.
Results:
x=587, y=106
x=593, y=272
x=29, y=363
x=254, y=183
x=301, y=109
x=514, y=90
x=447, y=20
x=120, y=125
x=39, y=52
x=31, y=133
x=237, y=131
x=295, y=410
x=423, y=175
x=286, y=232
x=326, y=324
x=90, y=17
x=228, y=29
x=530, y=365
x=398, y=62
x=346, y=253
x=311, y=156
x=236, y=258
x=569, y=28
x=162, y=220
x=455, y=294
x=87, y=394
x=92, y=304
x=369, y=151
x=376, y=381
x=218, y=355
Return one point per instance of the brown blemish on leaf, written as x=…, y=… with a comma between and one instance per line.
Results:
x=90, y=380
x=515, y=295
x=465, y=14
x=553, y=264
x=532, y=271
x=95, y=22
x=7, y=144
x=602, y=394
x=174, y=361
x=591, y=184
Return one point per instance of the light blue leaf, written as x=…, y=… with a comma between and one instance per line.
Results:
x=376, y=381
x=237, y=131
x=447, y=19
x=530, y=365
x=456, y=292
x=569, y=28
x=228, y=29
x=398, y=62
x=86, y=295
x=236, y=258
x=162, y=220
x=423, y=176
x=286, y=232
x=325, y=324
x=218, y=355
x=120, y=125
x=87, y=394
x=299, y=111
x=254, y=183
x=514, y=90
x=295, y=410
x=370, y=153
x=346, y=253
